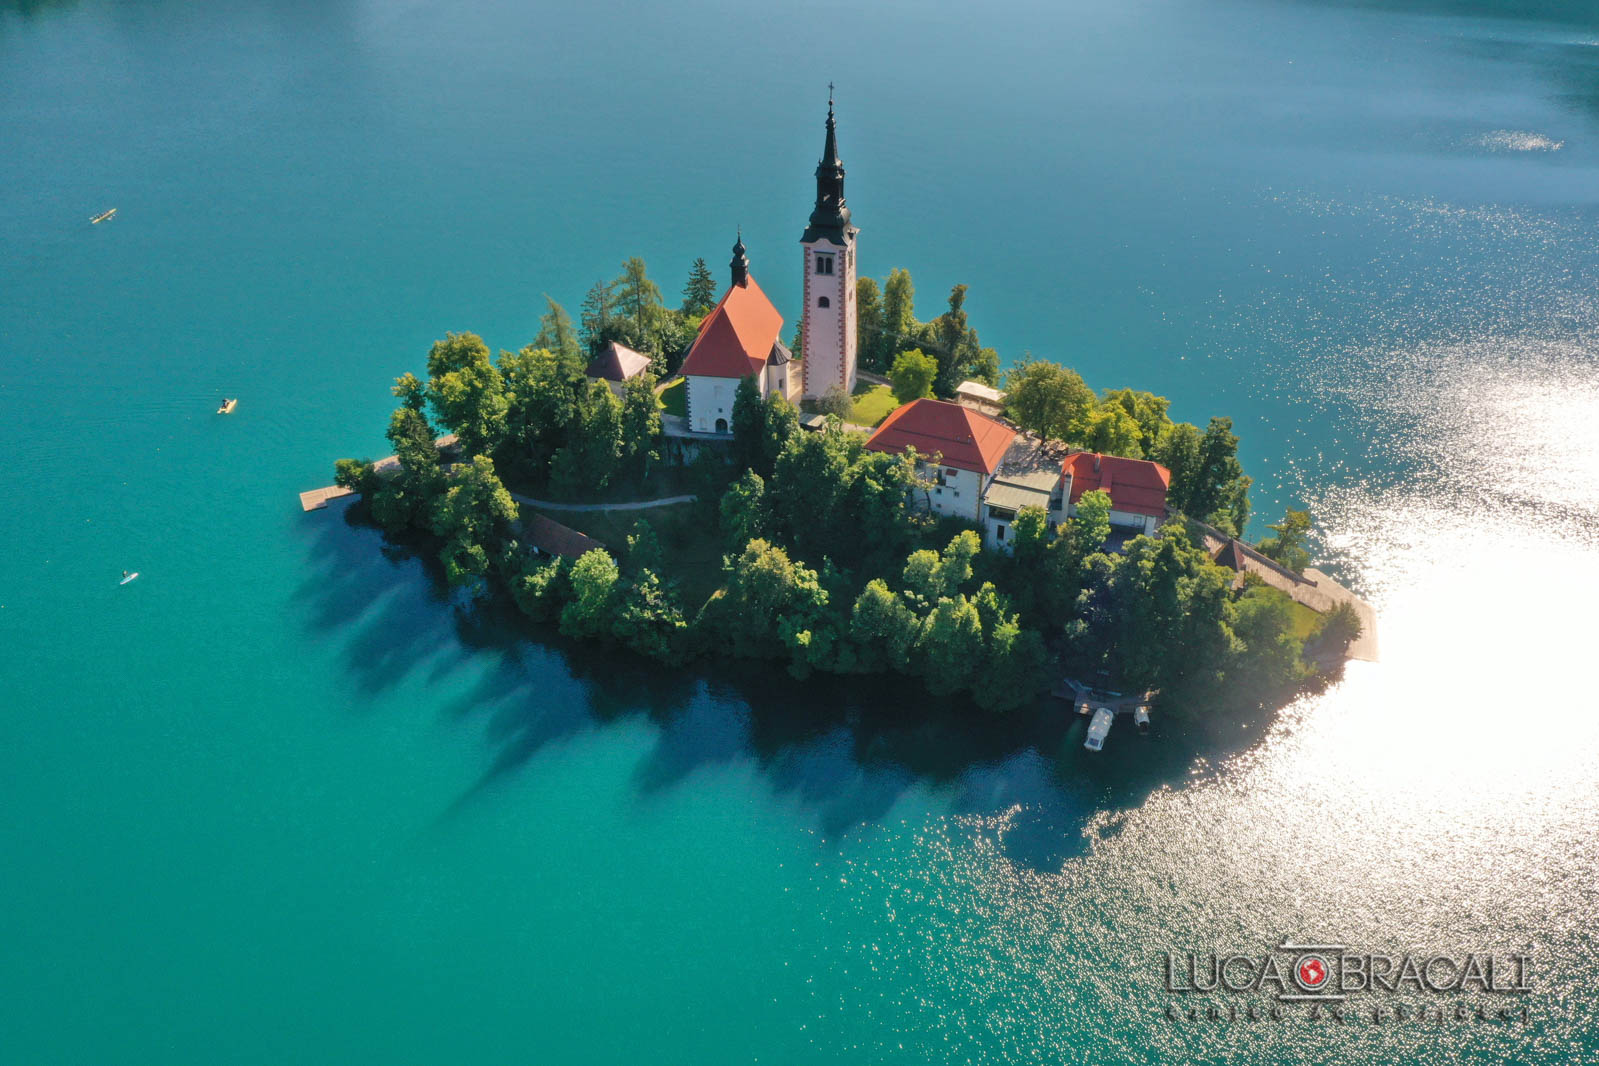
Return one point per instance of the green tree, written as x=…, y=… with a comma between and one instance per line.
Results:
x=641, y=424
x=1029, y=532
x=950, y=645
x=768, y=601
x=951, y=343
x=883, y=628
x=749, y=428
x=639, y=300
x=1159, y=614
x=744, y=512
x=1267, y=655
x=1147, y=410
x=589, y=459
x=1288, y=546
x=899, y=311
x=405, y=498
x=1219, y=491
x=1340, y=628
x=472, y=516
x=595, y=580
x=699, y=294
x=913, y=375
x=556, y=333
x=869, y=325
x=1013, y=671
x=835, y=402
x=649, y=619
x=1177, y=449
x=642, y=549
x=1048, y=399
x=871, y=523
x=595, y=318
x=804, y=489
x=542, y=587
x=955, y=566
x=544, y=390
x=467, y=392
x=1111, y=430
x=410, y=391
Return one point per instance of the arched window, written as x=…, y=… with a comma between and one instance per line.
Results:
x=822, y=301
x=721, y=425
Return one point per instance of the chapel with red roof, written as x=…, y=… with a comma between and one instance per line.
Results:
x=742, y=336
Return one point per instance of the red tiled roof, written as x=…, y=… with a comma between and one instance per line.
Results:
x=618, y=363
x=966, y=439
x=552, y=538
x=1136, y=486
x=736, y=337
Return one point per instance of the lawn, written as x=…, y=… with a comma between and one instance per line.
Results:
x=873, y=403
x=674, y=398
x=1306, y=621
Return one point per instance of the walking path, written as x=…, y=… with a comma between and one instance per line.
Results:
x=635, y=505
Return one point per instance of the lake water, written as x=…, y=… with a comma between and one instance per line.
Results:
x=279, y=800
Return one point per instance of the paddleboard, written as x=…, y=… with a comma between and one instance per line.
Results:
x=129, y=578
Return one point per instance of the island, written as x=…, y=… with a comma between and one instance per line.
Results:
x=872, y=496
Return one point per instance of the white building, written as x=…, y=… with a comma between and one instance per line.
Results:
x=968, y=446
x=739, y=338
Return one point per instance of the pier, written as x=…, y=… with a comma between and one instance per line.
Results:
x=388, y=466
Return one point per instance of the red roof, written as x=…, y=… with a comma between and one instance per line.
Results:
x=737, y=336
x=552, y=538
x=1136, y=486
x=966, y=439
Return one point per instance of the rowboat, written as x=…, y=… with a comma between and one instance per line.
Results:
x=104, y=216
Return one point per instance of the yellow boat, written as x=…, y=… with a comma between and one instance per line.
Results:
x=227, y=407
x=103, y=217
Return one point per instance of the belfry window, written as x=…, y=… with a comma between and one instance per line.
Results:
x=824, y=263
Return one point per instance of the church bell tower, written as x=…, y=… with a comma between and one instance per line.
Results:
x=828, y=320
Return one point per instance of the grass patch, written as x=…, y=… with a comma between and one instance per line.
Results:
x=1306, y=622
x=872, y=404
x=674, y=398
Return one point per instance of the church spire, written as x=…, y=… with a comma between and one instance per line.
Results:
x=741, y=262
x=830, y=219
x=830, y=149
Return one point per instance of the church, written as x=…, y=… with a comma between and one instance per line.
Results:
x=743, y=335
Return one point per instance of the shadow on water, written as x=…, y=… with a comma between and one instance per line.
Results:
x=847, y=751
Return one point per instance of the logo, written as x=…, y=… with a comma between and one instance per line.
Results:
x=1337, y=981
x=1311, y=973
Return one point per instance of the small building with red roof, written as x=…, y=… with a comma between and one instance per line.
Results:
x=969, y=447
x=741, y=337
x=1137, y=487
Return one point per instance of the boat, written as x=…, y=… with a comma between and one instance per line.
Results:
x=1141, y=718
x=127, y=577
x=227, y=407
x=1098, y=728
x=104, y=216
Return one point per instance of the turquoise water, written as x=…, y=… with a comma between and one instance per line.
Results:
x=280, y=800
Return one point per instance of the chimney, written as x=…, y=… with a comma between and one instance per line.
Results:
x=1096, y=462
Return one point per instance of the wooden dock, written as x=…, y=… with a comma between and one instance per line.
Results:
x=388, y=466
x=316, y=499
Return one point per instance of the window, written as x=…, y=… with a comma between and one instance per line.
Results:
x=822, y=301
x=824, y=263
x=999, y=532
